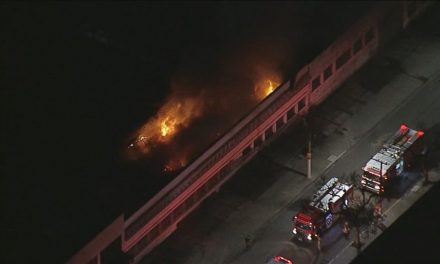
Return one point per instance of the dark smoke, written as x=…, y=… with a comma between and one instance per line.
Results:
x=233, y=54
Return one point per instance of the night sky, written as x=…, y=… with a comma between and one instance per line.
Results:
x=78, y=79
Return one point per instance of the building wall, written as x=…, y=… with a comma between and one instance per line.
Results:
x=159, y=217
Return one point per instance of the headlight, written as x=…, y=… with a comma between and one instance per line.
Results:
x=294, y=231
x=363, y=182
x=309, y=237
x=377, y=187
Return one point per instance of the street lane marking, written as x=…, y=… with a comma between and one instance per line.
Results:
x=334, y=158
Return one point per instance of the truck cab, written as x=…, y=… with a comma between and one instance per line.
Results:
x=323, y=211
x=307, y=223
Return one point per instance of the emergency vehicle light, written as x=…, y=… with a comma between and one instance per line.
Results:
x=279, y=258
x=420, y=133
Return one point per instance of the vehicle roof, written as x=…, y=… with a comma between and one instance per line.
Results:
x=330, y=192
x=308, y=214
x=392, y=150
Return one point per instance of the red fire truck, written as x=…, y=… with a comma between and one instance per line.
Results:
x=395, y=155
x=323, y=211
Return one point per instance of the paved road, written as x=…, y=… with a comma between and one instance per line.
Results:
x=398, y=86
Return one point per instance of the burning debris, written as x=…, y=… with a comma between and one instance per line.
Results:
x=175, y=164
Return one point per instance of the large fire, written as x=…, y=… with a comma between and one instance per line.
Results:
x=265, y=88
x=175, y=115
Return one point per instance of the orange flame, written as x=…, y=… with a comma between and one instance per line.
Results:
x=262, y=91
x=170, y=121
x=175, y=115
x=270, y=88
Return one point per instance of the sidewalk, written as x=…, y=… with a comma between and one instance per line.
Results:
x=350, y=252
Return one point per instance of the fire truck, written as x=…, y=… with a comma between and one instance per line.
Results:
x=395, y=155
x=323, y=211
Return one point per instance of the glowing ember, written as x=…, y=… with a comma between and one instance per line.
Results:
x=175, y=164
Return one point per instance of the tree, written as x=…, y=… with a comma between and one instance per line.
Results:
x=361, y=211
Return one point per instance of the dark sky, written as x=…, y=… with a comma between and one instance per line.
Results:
x=78, y=78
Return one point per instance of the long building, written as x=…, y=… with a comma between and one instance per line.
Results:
x=129, y=239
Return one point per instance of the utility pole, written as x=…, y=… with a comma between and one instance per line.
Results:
x=309, y=148
x=309, y=158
